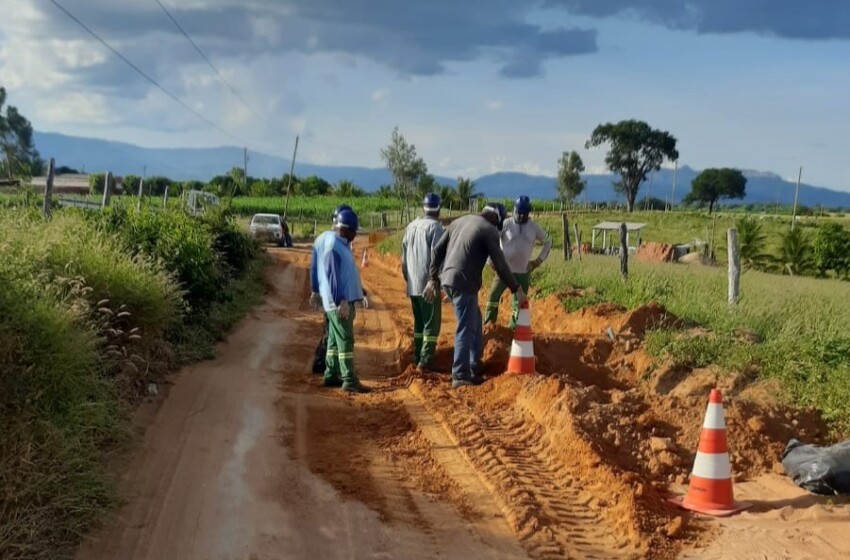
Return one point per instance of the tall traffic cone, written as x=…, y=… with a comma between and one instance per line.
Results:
x=522, y=348
x=710, y=488
x=364, y=262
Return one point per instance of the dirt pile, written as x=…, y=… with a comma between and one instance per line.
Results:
x=655, y=252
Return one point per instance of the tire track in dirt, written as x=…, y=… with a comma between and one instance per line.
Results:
x=541, y=498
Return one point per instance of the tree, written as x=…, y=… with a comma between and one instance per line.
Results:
x=570, y=185
x=384, y=191
x=465, y=190
x=404, y=165
x=635, y=150
x=751, y=243
x=712, y=185
x=832, y=249
x=348, y=189
x=20, y=158
x=449, y=196
x=315, y=186
x=795, y=254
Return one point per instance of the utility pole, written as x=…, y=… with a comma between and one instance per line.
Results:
x=796, y=196
x=289, y=179
x=673, y=194
x=245, y=170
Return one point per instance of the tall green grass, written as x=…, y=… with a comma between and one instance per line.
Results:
x=89, y=315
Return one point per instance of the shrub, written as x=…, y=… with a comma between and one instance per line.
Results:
x=795, y=254
x=751, y=243
x=832, y=249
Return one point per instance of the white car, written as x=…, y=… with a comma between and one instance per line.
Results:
x=270, y=227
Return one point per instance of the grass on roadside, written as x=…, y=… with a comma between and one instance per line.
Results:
x=86, y=322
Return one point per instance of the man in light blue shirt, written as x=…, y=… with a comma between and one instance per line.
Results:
x=339, y=288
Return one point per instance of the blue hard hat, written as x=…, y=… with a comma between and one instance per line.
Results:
x=432, y=201
x=339, y=209
x=347, y=219
x=522, y=205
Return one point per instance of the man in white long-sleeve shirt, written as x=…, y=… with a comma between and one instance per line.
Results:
x=419, y=240
x=518, y=237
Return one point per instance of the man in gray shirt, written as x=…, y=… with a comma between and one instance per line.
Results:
x=420, y=237
x=461, y=254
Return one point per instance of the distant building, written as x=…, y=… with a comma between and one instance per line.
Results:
x=71, y=183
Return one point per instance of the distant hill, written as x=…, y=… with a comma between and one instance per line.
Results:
x=93, y=155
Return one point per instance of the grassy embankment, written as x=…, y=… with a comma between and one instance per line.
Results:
x=93, y=309
x=802, y=324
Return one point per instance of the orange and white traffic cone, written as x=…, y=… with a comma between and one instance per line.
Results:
x=364, y=262
x=522, y=348
x=710, y=487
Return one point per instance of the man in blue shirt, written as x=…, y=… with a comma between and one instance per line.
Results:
x=340, y=288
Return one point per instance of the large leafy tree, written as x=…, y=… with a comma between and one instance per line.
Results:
x=405, y=165
x=570, y=185
x=20, y=158
x=635, y=149
x=712, y=185
x=832, y=249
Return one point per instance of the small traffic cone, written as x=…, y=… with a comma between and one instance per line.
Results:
x=522, y=348
x=710, y=487
x=364, y=262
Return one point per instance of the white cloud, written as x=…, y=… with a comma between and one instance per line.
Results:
x=379, y=94
x=298, y=125
x=76, y=108
x=500, y=164
x=495, y=105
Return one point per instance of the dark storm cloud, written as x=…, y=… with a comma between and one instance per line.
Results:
x=413, y=38
x=793, y=19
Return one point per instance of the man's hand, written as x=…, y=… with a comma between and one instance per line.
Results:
x=315, y=301
x=343, y=310
x=534, y=265
x=432, y=291
x=520, y=296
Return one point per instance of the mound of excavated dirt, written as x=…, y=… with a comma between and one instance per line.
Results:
x=655, y=252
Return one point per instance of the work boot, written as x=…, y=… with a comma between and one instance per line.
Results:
x=466, y=380
x=355, y=387
x=332, y=382
x=427, y=369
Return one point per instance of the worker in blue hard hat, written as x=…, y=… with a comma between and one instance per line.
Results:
x=339, y=288
x=518, y=237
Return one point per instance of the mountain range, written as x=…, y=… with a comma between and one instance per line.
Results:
x=91, y=155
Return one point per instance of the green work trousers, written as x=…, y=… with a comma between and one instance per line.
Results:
x=339, y=360
x=426, y=328
x=496, y=291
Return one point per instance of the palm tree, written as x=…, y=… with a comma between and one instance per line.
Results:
x=385, y=191
x=795, y=254
x=449, y=196
x=465, y=190
x=751, y=242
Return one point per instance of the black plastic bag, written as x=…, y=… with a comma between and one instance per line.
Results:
x=820, y=470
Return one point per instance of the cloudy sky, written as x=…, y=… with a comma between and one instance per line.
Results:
x=477, y=85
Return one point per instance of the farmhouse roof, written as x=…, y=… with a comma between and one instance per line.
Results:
x=615, y=226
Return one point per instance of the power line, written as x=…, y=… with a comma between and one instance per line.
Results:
x=144, y=74
x=207, y=60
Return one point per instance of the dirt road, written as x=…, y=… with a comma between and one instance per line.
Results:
x=248, y=458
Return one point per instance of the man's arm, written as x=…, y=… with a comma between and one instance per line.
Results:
x=546, y=240
x=404, y=256
x=314, y=272
x=494, y=251
x=438, y=256
x=335, y=280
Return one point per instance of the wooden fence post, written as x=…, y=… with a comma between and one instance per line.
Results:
x=107, y=190
x=568, y=250
x=371, y=221
x=734, y=266
x=141, y=191
x=165, y=199
x=624, y=251
x=384, y=224
x=48, y=189
x=578, y=240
